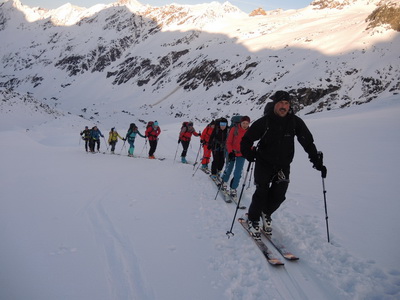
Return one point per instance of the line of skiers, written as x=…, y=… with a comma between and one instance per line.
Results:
x=222, y=143
x=275, y=132
x=92, y=138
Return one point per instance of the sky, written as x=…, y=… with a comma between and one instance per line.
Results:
x=246, y=6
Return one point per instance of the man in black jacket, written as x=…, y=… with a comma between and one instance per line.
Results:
x=273, y=155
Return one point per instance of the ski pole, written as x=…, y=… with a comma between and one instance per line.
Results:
x=122, y=148
x=230, y=232
x=326, y=209
x=226, y=167
x=105, y=142
x=219, y=188
x=321, y=155
x=145, y=143
x=251, y=172
x=197, y=168
x=176, y=151
x=197, y=156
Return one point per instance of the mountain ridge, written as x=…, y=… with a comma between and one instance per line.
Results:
x=199, y=61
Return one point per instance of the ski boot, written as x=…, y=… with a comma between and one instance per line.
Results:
x=267, y=223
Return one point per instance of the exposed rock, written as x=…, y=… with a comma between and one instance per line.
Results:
x=388, y=13
x=258, y=12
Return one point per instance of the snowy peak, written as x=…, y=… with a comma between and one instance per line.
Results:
x=129, y=2
x=177, y=59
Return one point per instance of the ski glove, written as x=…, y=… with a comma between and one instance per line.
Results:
x=179, y=141
x=319, y=165
x=321, y=168
x=251, y=155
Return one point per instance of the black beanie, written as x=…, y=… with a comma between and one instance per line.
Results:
x=280, y=96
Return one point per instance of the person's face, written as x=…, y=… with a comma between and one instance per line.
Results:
x=245, y=124
x=281, y=108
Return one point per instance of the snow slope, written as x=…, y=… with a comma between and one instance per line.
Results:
x=101, y=226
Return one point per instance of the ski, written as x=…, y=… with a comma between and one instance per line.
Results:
x=263, y=248
x=227, y=196
x=231, y=199
x=279, y=246
x=276, y=242
x=217, y=182
x=205, y=170
x=144, y=157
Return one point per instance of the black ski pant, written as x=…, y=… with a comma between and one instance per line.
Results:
x=87, y=145
x=218, y=161
x=153, y=147
x=270, y=189
x=185, y=146
x=113, y=144
x=92, y=144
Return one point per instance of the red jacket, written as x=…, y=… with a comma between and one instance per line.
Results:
x=186, y=134
x=234, y=138
x=205, y=135
x=152, y=134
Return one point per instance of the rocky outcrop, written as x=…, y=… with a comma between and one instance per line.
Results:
x=388, y=13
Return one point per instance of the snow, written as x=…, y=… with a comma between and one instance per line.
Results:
x=99, y=226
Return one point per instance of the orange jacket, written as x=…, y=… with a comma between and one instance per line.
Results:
x=235, y=136
x=186, y=134
x=205, y=135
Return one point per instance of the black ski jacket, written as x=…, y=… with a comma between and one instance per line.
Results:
x=276, y=135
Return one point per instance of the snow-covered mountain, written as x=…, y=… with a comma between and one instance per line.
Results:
x=199, y=61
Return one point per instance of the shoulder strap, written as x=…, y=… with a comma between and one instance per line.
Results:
x=265, y=132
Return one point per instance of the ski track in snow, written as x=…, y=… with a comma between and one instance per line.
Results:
x=284, y=282
x=124, y=275
x=303, y=279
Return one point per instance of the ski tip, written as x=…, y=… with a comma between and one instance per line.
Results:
x=275, y=262
x=290, y=256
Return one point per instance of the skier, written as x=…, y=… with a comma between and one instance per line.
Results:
x=113, y=139
x=272, y=155
x=94, y=139
x=217, y=146
x=187, y=130
x=204, y=139
x=152, y=133
x=130, y=137
x=235, y=158
x=85, y=134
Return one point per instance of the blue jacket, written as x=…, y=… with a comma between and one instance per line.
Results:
x=96, y=134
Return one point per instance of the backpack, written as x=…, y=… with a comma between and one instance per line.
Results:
x=185, y=125
x=269, y=107
x=235, y=121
